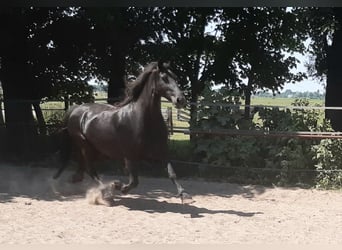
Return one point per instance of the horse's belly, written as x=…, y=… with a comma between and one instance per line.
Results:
x=114, y=144
x=105, y=143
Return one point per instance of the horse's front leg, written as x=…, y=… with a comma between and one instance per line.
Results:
x=185, y=197
x=131, y=167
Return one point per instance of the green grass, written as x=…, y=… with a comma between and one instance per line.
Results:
x=179, y=136
x=180, y=149
x=277, y=101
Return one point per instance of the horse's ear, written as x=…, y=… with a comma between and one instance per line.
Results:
x=163, y=66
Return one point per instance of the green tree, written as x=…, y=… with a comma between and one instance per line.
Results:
x=183, y=40
x=115, y=33
x=53, y=52
x=324, y=28
x=17, y=78
x=248, y=49
x=261, y=43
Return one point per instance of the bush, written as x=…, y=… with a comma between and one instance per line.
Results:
x=279, y=160
x=293, y=157
x=328, y=163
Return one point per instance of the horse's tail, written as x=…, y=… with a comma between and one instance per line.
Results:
x=64, y=143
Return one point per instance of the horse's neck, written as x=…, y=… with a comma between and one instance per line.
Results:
x=149, y=106
x=149, y=103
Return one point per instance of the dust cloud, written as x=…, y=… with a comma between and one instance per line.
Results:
x=37, y=183
x=100, y=195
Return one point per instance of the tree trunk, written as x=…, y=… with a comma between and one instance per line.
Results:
x=17, y=79
x=20, y=129
x=334, y=82
x=248, y=94
x=116, y=84
x=196, y=88
x=2, y=130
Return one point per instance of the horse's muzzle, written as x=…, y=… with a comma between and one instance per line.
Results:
x=179, y=102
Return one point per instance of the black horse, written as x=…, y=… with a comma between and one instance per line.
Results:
x=133, y=130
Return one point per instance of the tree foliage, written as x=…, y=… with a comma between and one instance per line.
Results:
x=57, y=50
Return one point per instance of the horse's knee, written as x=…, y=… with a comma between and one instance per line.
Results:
x=133, y=183
x=171, y=171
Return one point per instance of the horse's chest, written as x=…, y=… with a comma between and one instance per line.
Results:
x=148, y=140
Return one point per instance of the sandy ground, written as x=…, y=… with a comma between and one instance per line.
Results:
x=36, y=209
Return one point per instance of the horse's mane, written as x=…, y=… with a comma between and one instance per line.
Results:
x=133, y=89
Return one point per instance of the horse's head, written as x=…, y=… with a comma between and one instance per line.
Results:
x=167, y=86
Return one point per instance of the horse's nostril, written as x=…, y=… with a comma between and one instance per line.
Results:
x=180, y=101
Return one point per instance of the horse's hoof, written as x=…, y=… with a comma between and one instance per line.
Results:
x=186, y=198
x=116, y=185
x=108, y=202
x=100, y=196
x=106, y=192
x=125, y=189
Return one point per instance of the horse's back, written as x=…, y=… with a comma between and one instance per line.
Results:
x=77, y=115
x=94, y=107
x=91, y=108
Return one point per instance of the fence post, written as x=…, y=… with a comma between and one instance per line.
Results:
x=2, y=120
x=66, y=102
x=169, y=120
x=40, y=117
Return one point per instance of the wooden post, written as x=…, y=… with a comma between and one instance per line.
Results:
x=169, y=120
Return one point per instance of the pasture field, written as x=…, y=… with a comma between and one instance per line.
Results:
x=278, y=101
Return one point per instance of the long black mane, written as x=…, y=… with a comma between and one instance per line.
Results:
x=133, y=90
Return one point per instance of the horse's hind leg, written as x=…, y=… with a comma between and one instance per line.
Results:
x=85, y=158
x=185, y=197
x=131, y=167
x=102, y=194
x=78, y=176
x=65, y=151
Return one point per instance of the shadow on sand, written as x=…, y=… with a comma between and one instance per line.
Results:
x=37, y=184
x=155, y=206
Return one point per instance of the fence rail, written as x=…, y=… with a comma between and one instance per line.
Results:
x=204, y=165
x=183, y=115
x=263, y=106
x=298, y=134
